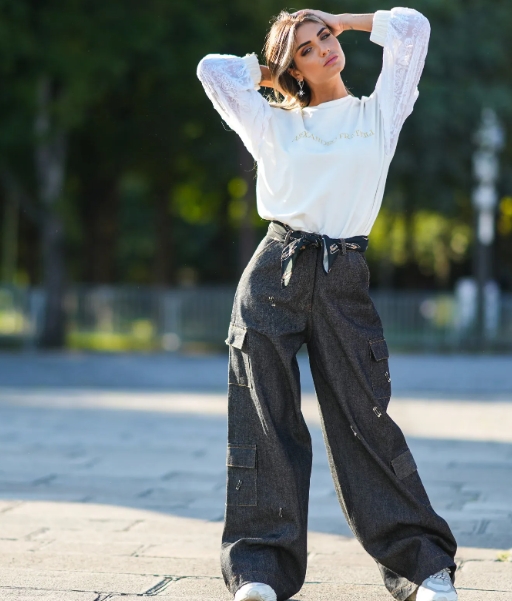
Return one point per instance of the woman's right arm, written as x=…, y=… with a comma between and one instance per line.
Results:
x=232, y=83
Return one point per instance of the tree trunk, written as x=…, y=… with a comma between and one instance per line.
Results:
x=50, y=153
x=54, y=325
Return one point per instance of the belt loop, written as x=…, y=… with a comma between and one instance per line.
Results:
x=343, y=246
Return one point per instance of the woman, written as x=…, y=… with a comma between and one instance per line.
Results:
x=322, y=156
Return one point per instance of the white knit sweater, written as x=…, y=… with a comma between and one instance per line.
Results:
x=323, y=169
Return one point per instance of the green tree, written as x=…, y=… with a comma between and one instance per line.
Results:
x=113, y=151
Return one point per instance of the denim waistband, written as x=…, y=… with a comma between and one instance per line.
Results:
x=297, y=240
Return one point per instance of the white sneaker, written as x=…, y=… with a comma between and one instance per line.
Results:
x=255, y=591
x=437, y=587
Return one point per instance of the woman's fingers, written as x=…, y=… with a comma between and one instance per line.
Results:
x=318, y=13
x=332, y=21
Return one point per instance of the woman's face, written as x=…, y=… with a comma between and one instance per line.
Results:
x=316, y=46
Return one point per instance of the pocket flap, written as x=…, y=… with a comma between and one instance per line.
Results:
x=404, y=465
x=236, y=336
x=241, y=455
x=379, y=349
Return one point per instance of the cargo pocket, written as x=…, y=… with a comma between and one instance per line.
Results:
x=404, y=465
x=379, y=370
x=406, y=470
x=239, y=369
x=242, y=474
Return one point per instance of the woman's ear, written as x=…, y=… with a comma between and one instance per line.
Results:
x=294, y=72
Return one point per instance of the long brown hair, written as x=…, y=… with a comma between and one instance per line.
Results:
x=279, y=50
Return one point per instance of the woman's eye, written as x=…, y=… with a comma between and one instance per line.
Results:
x=326, y=35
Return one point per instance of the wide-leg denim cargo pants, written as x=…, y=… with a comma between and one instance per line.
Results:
x=269, y=452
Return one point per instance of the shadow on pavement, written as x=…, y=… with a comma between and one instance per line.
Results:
x=168, y=460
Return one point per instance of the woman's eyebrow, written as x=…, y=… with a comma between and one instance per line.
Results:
x=309, y=41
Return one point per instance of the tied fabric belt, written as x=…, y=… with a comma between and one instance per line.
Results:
x=296, y=240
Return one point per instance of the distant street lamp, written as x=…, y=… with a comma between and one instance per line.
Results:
x=490, y=138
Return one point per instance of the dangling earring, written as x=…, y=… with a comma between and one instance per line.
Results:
x=301, y=85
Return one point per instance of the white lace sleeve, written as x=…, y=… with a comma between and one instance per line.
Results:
x=404, y=33
x=231, y=83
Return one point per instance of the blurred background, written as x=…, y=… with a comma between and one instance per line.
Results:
x=128, y=214
x=128, y=207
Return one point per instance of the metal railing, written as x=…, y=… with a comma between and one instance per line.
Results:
x=128, y=318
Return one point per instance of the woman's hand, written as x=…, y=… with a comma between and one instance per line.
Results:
x=334, y=22
x=343, y=22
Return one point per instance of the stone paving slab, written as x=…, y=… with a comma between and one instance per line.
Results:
x=97, y=559
x=426, y=417
x=473, y=375
x=14, y=594
x=77, y=580
x=332, y=558
x=497, y=575
x=321, y=592
x=114, y=494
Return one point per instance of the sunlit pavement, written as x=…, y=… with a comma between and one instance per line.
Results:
x=112, y=476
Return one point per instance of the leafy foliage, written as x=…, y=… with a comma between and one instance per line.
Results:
x=154, y=182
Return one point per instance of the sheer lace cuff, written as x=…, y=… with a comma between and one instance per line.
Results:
x=381, y=20
x=252, y=63
x=403, y=59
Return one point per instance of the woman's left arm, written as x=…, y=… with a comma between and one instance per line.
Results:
x=404, y=34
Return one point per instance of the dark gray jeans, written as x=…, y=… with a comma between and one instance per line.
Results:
x=269, y=446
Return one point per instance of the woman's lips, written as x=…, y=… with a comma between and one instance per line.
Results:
x=331, y=60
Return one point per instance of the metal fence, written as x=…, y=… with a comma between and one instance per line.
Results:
x=125, y=318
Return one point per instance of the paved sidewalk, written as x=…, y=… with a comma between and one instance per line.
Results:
x=112, y=477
